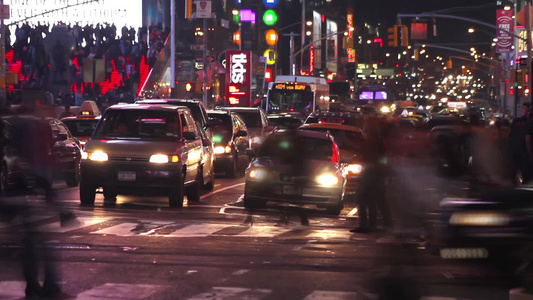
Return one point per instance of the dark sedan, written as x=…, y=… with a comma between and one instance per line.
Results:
x=34, y=150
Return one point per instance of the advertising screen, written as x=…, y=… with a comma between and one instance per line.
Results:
x=366, y=95
x=118, y=12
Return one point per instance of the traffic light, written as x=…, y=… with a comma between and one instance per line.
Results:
x=271, y=37
x=270, y=16
x=269, y=74
x=404, y=35
x=449, y=64
x=520, y=77
x=393, y=36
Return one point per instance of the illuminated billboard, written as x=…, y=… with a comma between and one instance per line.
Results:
x=238, y=77
x=117, y=12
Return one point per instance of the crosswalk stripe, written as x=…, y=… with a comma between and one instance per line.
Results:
x=329, y=234
x=197, y=230
x=124, y=229
x=82, y=222
x=12, y=290
x=119, y=291
x=229, y=293
x=331, y=295
x=263, y=231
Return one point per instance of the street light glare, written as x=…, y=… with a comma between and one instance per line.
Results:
x=471, y=30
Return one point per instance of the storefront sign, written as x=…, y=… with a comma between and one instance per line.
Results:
x=238, y=77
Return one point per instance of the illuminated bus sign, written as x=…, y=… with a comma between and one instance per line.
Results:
x=290, y=86
x=238, y=77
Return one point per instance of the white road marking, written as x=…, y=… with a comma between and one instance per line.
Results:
x=330, y=234
x=82, y=222
x=229, y=293
x=263, y=231
x=221, y=190
x=197, y=230
x=119, y=291
x=12, y=290
x=352, y=212
x=124, y=229
x=240, y=272
x=331, y=295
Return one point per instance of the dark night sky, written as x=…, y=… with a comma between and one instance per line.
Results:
x=452, y=32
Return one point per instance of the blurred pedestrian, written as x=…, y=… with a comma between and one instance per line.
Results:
x=371, y=195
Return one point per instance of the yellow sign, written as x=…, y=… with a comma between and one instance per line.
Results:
x=270, y=56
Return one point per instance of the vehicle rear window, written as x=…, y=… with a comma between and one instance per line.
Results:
x=345, y=139
x=252, y=119
x=291, y=147
x=81, y=127
x=222, y=132
x=139, y=124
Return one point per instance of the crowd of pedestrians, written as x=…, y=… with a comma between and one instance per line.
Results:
x=46, y=57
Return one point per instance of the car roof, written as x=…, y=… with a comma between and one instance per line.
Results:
x=305, y=133
x=331, y=126
x=169, y=101
x=81, y=117
x=239, y=108
x=136, y=106
x=344, y=114
x=218, y=112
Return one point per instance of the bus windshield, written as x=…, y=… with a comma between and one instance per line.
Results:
x=280, y=101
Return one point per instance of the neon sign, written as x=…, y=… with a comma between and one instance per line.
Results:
x=238, y=77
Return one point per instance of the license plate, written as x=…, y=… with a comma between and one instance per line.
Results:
x=291, y=190
x=126, y=176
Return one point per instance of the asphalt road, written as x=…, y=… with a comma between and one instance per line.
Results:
x=215, y=249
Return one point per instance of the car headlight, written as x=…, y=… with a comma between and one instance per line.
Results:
x=163, y=158
x=327, y=180
x=354, y=169
x=222, y=149
x=486, y=218
x=95, y=156
x=257, y=174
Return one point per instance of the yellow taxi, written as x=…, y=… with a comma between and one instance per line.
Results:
x=82, y=125
x=351, y=141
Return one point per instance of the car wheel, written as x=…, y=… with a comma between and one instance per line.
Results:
x=193, y=191
x=87, y=194
x=251, y=203
x=211, y=184
x=335, y=209
x=4, y=184
x=175, y=195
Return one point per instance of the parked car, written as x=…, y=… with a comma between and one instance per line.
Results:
x=144, y=149
x=256, y=121
x=34, y=151
x=231, y=141
x=299, y=168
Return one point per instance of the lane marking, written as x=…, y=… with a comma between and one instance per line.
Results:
x=240, y=272
x=196, y=230
x=263, y=231
x=81, y=222
x=331, y=295
x=119, y=290
x=221, y=190
x=352, y=212
x=124, y=229
x=232, y=293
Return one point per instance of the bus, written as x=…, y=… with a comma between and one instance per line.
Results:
x=297, y=95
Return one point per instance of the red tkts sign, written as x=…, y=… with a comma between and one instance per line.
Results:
x=238, y=77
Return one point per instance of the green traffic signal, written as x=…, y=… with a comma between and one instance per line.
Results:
x=270, y=17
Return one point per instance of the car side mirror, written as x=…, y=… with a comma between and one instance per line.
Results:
x=213, y=122
x=189, y=135
x=241, y=133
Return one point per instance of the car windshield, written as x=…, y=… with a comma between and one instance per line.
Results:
x=288, y=147
x=345, y=139
x=139, y=124
x=221, y=132
x=81, y=128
